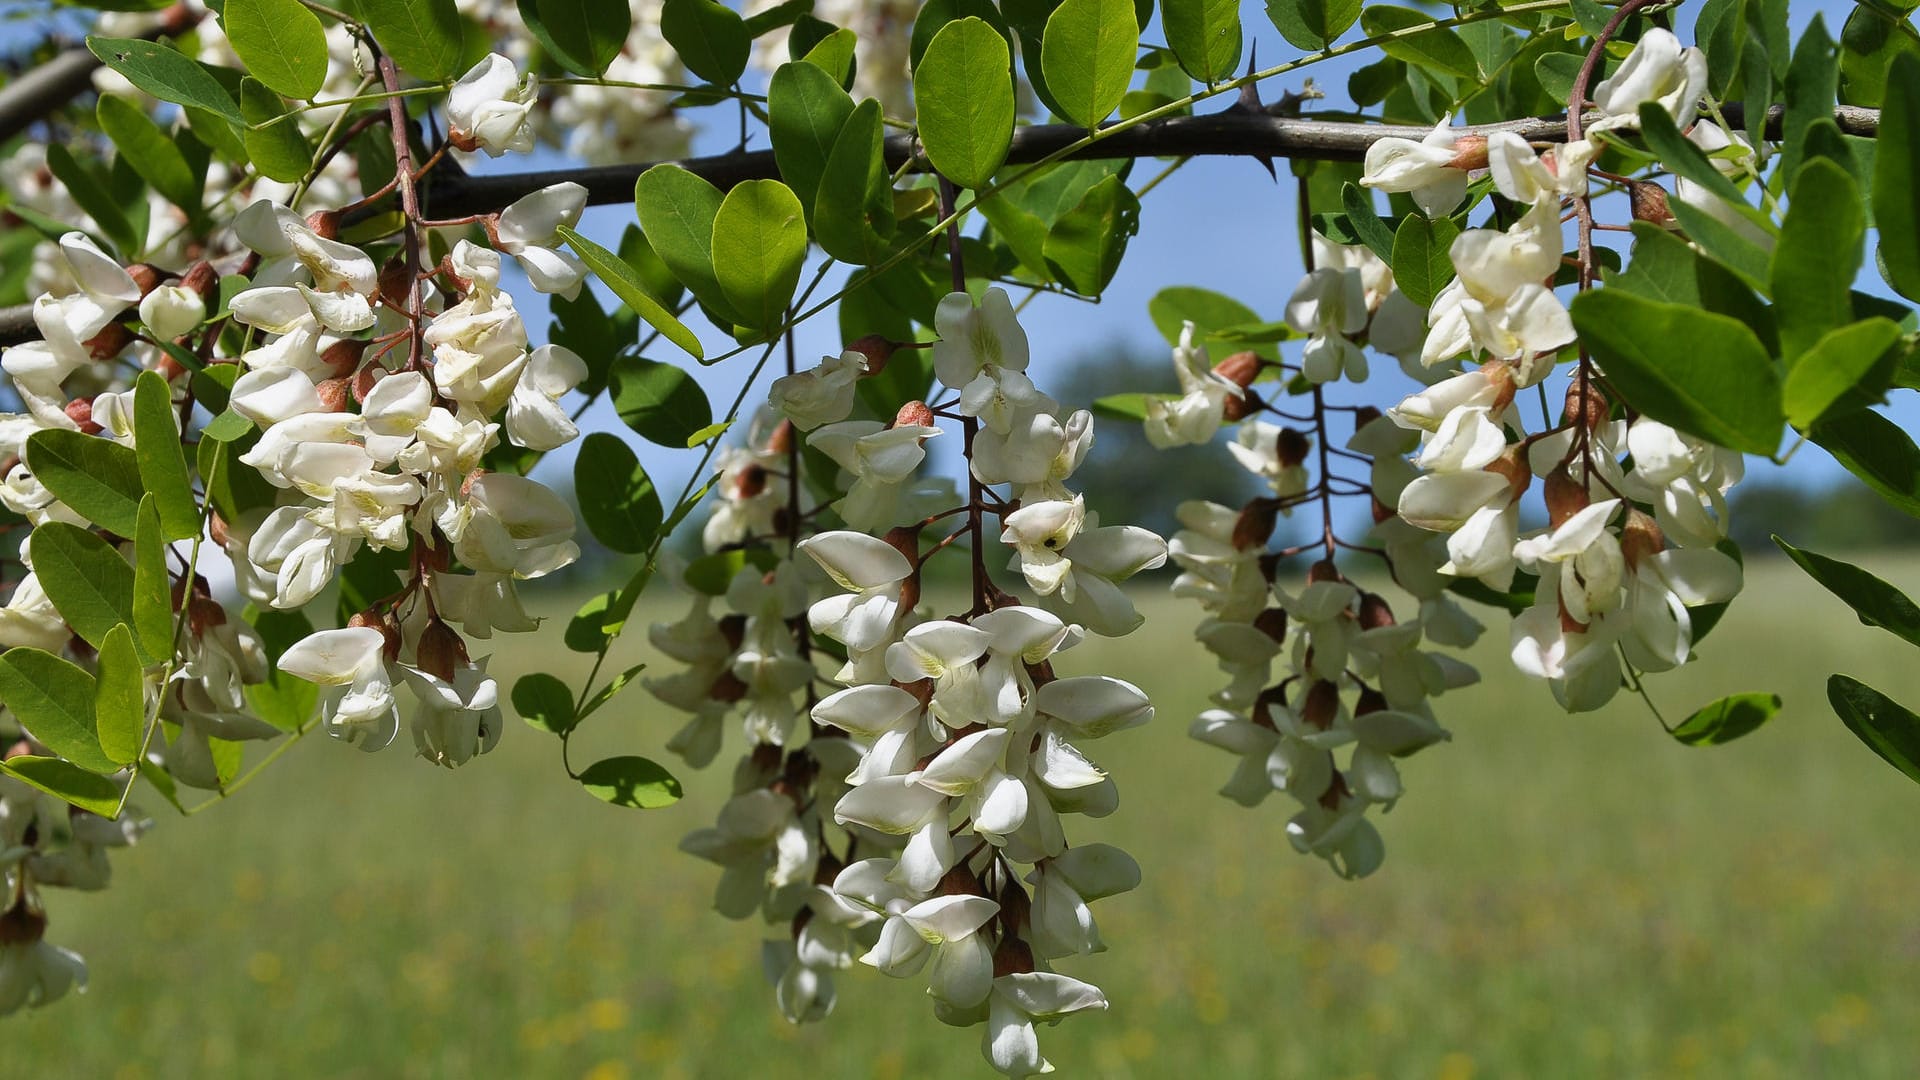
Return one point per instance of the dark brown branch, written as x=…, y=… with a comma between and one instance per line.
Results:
x=1213, y=135
x=447, y=193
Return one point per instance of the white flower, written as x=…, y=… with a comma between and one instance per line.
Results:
x=1422, y=169
x=456, y=720
x=488, y=108
x=1527, y=177
x=1192, y=418
x=528, y=231
x=881, y=459
x=1585, y=555
x=1018, y=1000
x=864, y=619
x=1499, y=303
x=975, y=341
x=291, y=246
x=171, y=311
x=1064, y=886
x=941, y=930
x=535, y=419
x=1657, y=70
x=35, y=973
x=516, y=526
x=820, y=395
x=350, y=663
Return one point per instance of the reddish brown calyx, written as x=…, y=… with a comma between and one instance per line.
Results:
x=1565, y=497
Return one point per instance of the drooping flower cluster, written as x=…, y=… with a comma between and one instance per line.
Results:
x=945, y=751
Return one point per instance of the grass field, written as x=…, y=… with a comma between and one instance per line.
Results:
x=1575, y=897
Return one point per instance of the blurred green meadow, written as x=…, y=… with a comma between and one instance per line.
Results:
x=1563, y=896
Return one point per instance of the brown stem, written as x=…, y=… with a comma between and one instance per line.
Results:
x=969, y=426
x=409, y=203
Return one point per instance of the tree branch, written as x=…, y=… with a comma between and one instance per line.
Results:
x=39, y=91
x=447, y=193
x=1221, y=134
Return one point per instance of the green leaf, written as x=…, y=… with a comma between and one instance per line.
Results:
x=283, y=701
x=88, y=791
x=1896, y=162
x=631, y=781
x=1125, y=406
x=427, y=38
x=1683, y=158
x=660, y=402
x=712, y=41
x=1421, y=267
x=676, y=211
x=281, y=42
x=54, y=699
x=1886, y=726
x=1087, y=54
x=1812, y=83
x=1703, y=373
x=1663, y=267
x=586, y=631
x=607, y=693
x=834, y=54
x=1084, y=247
x=708, y=433
x=544, y=702
x=163, y=464
x=1205, y=36
x=88, y=582
x=963, y=87
x=617, y=498
x=1870, y=42
x=152, y=589
x=1873, y=600
x=1835, y=365
x=150, y=152
x=166, y=74
x=1312, y=24
x=280, y=151
x=583, y=35
x=759, y=245
x=805, y=111
x=1556, y=72
x=97, y=478
x=1733, y=249
x=1817, y=257
x=853, y=213
x=1437, y=48
x=626, y=285
x=1874, y=449
x=120, y=697
x=89, y=190
x=1727, y=719
x=1367, y=225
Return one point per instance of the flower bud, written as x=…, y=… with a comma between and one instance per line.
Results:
x=109, y=342
x=1239, y=407
x=1512, y=464
x=1587, y=405
x=1640, y=538
x=1013, y=957
x=203, y=281
x=146, y=277
x=913, y=414
x=780, y=439
x=1321, y=706
x=1375, y=614
x=440, y=652
x=80, y=411
x=1273, y=623
x=877, y=348
x=1254, y=527
x=750, y=481
x=386, y=623
x=1565, y=497
x=1500, y=376
x=1324, y=570
x=396, y=285
x=1650, y=203
x=1469, y=153
x=1240, y=369
x=1291, y=447
x=333, y=394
